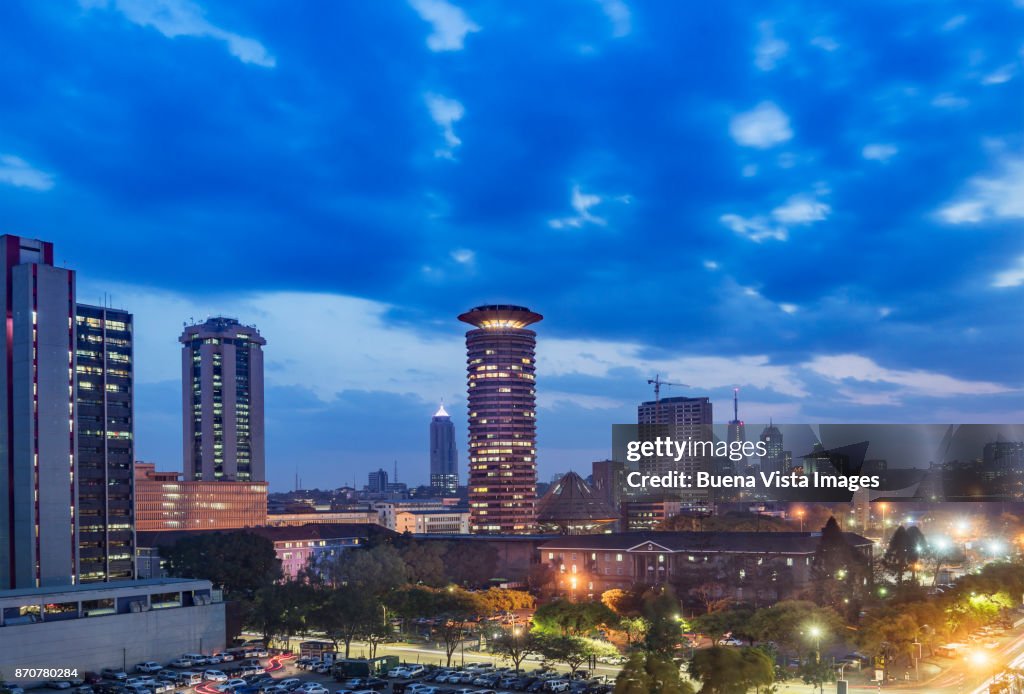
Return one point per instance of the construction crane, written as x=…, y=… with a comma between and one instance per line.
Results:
x=658, y=383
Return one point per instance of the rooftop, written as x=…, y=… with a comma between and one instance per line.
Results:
x=500, y=316
x=762, y=543
x=93, y=587
x=570, y=500
x=275, y=533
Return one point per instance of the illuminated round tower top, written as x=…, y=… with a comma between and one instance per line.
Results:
x=500, y=317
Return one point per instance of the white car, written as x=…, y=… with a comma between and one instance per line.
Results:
x=180, y=662
x=312, y=688
x=231, y=684
x=149, y=666
x=196, y=658
x=398, y=672
x=215, y=676
x=58, y=684
x=730, y=641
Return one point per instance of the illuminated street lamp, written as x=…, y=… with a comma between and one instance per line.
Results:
x=800, y=513
x=815, y=632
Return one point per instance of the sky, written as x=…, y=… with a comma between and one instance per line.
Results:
x=823, y=208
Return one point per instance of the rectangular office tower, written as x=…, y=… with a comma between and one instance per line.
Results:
x=222, y=401
x=38, y=543
x=106, y=445
x=682, y=419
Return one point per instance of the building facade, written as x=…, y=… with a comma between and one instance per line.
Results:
x=38, y=456
x=775, y=460
x=222, y=401
x=772, y=564
x=444, y=458
x=106, y=445
x=166, y=502
x=609, y=478
x=501, y=381
x=442, y=521
x=377, y=482
x=92, y=626
x=682, y=419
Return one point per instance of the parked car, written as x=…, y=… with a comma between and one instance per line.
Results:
x=113, y=673
x=290, y=683
x=58, y=684
x=149, y=666
x=231, y=685
x=196, y=658
x=730, y=641
x=215, y=676
x=312, y=688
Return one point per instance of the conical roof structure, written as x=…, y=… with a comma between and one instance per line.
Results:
x=571, y=505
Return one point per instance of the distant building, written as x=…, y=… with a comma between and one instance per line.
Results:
x=501, y=365
x=166, y=502
x=444, y=458
x=1007, y=456
x=38, y=459
x=609, y=480
x=682, y=419
x=648, y=514
x=570, y=507
x=774, y=459
x=441, y=521
x=377, y=482
x=388, y=510
x=587, y=565
x=736, y=432
x=222, y=401
x=104, y=351
x=366, y=516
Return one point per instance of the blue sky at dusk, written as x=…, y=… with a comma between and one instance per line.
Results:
x=823, y=208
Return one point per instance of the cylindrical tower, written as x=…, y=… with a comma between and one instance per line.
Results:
x=500, y=364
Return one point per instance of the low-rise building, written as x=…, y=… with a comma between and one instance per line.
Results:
x=90, y=626
x=588, y=565
x=441, y=521
x=361, y=516
x=388, y=510
x=164, y=502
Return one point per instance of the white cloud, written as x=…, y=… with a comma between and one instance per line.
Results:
x=450, y=24
x=749, y=171
x=999, y=195
x=825, y=43
x=618, y=13
x=17, y=172
x=1001, y=74
x=174, y=18
x=879, y=152
x=446, y=113
x=789, y=308
x=769, y=49
x=949, y=101
x=1012, y=276
x=762, y=127
x=801, y=209
x=581, y=202
x=463, y=256
x=861, y=369
x=797, y=210
x=710, y=265
x=884, y=312
x=954, y=22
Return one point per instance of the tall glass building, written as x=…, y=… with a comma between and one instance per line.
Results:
x=222, y=401
x=501, y=366
x=444, y=458
x=106, y=446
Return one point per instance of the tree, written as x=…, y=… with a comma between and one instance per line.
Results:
x=452, y=608
x=378, y=569
x=346, y=613
x=838, y=571
x=645, y=673
x=788, y=624
x=817, y=674
x=425, y=563
x=281, y=609
x=718, y=624
x=572, y=618
x=901, y=556
x=664, y=630
x=724, y=670
x=634, y=629
x=516, y=645
x=241, y=562
x=498, y=600
x=622, y=602
x=470, y=569
x=572, y=650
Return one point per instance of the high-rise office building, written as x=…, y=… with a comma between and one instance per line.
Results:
x=106, y=446
x=444, y=459
x=609, y=480
x=222, y=401
x=774, y=460
x=682, y=419
x=377, y=482
x=38, y=460
x=736, y=432
x=501, y=365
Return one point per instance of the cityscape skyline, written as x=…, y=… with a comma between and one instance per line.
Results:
x=795, y=148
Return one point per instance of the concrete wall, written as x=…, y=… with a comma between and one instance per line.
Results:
x=92, y=643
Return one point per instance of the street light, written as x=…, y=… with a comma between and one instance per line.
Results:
x=815, y=633
x=800, y=514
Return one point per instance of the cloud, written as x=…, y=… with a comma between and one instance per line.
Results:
x=17, y=172
x=949, y=101
x=463, y=256
x=801, y=209
x=618, y=12
x=999, y=195
x=861, y=369
x=174, y=18
x=581, y=202
x=762, y=127
x=954, y=22
x=789, y=308
x=825, y=43
x=798, y=210
x=1001, y=74
x=446, y=113
x=879, y=152
x=769, y=49
x=711, y=265
x=1012, y=276
x=450, y=24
